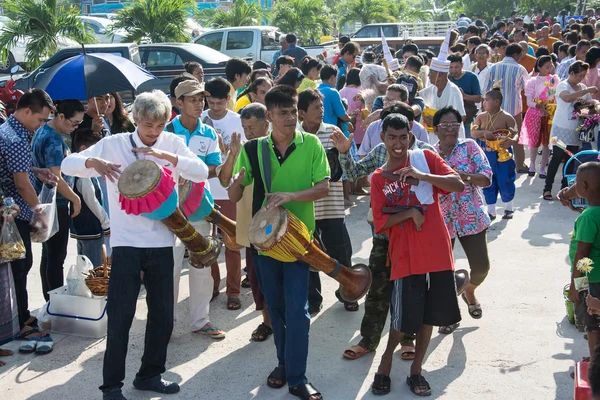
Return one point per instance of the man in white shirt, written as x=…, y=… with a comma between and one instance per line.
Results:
x=481, y=67
x=139, y=243
x=442, y=93
x=225, y=122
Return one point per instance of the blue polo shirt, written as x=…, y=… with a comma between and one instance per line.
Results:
x=15, y=156
x=203, y=141
x=332, y=104
x=296, y=52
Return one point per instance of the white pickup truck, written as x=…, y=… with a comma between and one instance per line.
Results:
x=255, y=43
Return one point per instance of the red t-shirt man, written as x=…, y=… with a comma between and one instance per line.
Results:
x=413, y=252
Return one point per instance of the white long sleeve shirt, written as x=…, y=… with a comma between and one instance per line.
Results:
x=88, y=196
x=136, y=230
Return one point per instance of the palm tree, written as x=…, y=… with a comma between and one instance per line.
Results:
x=241, y=13
x=42, y=23
x=368, y=11
x=155, y=21
x=307, y=17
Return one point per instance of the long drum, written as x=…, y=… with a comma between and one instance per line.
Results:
x=148, y=189
x=196, y=202
x=279, y=234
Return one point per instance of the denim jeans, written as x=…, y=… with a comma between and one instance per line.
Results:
x=123, y=290
x=335, y=242
x=92, y=249
x=285, y=286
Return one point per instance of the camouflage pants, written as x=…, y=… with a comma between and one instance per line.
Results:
x=377, y=303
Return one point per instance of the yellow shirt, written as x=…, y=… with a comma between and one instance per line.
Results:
x=232, y=98
x=242, y=102
x=307, y=84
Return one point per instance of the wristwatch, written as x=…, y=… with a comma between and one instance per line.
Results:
x=468, y=178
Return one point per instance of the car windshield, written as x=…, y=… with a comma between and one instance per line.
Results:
x=206, y=53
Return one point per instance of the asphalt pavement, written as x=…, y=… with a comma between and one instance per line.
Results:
x=523, y=347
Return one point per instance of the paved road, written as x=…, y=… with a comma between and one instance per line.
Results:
x=522, y=348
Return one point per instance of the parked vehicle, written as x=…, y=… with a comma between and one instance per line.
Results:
x=9, y=96
x=16, y=54
x=110, y=16
x=403, y=30
x=432, y=43
x=100, y=29
x=254, y=43
x=164, y=60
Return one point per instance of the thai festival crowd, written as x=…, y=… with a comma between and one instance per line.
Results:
x=436, y=140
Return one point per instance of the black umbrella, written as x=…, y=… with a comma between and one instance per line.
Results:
x=89, y=75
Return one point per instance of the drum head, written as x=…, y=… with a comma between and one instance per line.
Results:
x=184, y=190
x=268, y=227
x=139, y=179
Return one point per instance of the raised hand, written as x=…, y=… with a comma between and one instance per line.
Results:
x=341, y=142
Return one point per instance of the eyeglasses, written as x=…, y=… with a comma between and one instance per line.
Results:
x=451, y=126
x=75, y=123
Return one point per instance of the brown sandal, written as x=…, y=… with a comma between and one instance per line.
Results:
x=355, y=352
x=407, y=352
x=234, y=303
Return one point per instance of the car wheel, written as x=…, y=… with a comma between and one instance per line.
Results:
x=8, y=64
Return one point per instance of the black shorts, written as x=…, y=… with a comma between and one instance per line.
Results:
x=428, y=299
x=591, y=322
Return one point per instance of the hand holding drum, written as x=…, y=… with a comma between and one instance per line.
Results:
x=148, y=189
x=281, y=235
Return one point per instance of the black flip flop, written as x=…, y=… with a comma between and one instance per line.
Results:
x=278, y=374
x=261, y=333
x=448, y=329
x=304, y=391
x=417, y=380
x=382, y=384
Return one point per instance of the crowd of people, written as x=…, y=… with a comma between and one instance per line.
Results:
x=437, y=142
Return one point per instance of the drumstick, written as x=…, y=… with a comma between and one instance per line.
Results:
x=409, y=179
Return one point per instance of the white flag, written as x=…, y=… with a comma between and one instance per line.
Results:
x=392, y=62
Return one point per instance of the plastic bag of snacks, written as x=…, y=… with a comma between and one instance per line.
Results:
x=45, y=222
x=11, y=244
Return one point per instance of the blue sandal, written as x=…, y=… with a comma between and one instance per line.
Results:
x=45, y=345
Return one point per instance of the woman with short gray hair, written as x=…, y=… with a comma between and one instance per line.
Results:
x=139, y=243
x=154, y=106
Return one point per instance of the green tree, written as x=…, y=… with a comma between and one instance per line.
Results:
x=306, y=17
x=368, y=11
x=41, y=23
x=241, y=13
x=156, y=21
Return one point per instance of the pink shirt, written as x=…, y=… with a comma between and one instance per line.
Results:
x=593, y=79
x=348, y=93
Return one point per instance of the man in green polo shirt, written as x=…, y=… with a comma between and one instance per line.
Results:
x=299, y=175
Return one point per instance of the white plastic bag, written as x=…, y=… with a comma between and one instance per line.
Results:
x=44, y=318
x=76, y=280
x=45, y=223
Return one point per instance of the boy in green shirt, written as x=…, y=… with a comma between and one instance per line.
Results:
x=299, y=176
x=585, y=242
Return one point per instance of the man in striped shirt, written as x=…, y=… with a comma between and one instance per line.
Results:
x=330, y=212
x=512, y=78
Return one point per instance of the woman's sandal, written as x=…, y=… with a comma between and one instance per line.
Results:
x=44, y=345
x=233, y=303
x=351, y=306
x=31, y=338
x=548, y=196
x=277, y=379
x=448, y=329
x=475, y=310
x=306, y=391
x=417, y=381
x=407, y=352
x=211, y=332
x=355, y=352
x=382, y=384
x=261, y=333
